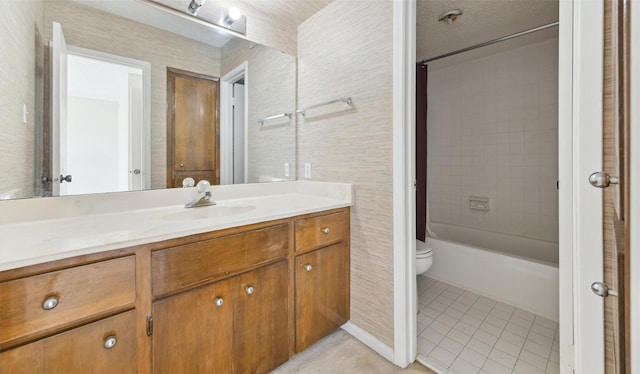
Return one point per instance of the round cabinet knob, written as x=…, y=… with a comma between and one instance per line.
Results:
x=325, y=230
x=219, y=301
x=308, y=267
x=249, y=290
x=50, y=303
x=110, y=342
x=181, y=165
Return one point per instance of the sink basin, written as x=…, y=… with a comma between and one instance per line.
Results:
x=208, y=212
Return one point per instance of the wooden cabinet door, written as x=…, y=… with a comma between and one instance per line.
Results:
x=192, y=334
x=261, y=337
x=321, y=293
x=193, y=123
x=81, y=350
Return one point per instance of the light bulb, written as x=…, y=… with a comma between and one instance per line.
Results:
x=234, y=13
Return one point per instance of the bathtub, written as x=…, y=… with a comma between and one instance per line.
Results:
x=517, y=271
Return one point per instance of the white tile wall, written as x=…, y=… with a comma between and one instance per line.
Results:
x=492, y=132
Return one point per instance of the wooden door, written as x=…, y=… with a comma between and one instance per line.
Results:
x=193, y=334
x=616, y=197
x=81, y=350
x=193, y=126
x=261, y=335
x=321, y=293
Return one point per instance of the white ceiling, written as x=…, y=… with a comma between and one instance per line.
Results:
x=483, y=20
x=291, y=12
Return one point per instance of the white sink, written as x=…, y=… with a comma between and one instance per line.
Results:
x=209, y=212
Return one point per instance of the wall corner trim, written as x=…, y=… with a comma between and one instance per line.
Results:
x=369, y=340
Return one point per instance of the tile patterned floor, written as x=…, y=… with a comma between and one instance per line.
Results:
x=463, y=333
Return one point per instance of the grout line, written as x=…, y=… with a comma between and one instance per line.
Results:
x=479, y=300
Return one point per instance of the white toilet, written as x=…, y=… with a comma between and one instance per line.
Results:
x=424, y=257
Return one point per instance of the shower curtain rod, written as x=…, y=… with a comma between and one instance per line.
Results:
x=521, y=33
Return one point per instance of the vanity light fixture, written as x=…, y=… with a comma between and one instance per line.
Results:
x=233, y=15
x=195, y=5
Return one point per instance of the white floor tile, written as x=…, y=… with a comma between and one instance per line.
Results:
x=500, y=314
x=515, y=320
x=468, y=333
x=451, y=345
x=549, y=333
x=518, y=330
x=491, y=329
x=539, y=349
x=454, y=313
x=545, y=322
x=533, y=359
x=425, y=346
x=473, y=357
x=440, y=327
x=524, y=368
x=459, y=336
x=472, y=321
x=497, y=321
x=502, y=358
x=539, y=339
x=479, y=346
x=485, y=337
x=431, y=312
x=553, y=368
x=442, y=356
x=460, y=306
x=493, y=367
x=432, y=335
x=512, y=338
x=505, y=346
x=447, y=319
x=461, y=366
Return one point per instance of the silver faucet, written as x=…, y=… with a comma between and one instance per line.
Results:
x=203, y=197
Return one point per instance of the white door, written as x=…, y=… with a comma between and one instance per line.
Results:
x=58, y=109
x=136, y=134
x=580, y=141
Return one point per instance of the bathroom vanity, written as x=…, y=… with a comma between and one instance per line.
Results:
x=240, y=293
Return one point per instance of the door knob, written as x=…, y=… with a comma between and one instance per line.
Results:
x=602, y=289
x=65, y=178
x=136, y=171
x=601, y=179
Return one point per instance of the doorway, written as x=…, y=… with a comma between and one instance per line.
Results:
x=234, y=90
x=103, y=145
x=193, y=127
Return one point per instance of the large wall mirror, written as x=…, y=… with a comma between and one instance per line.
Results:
x=96, y=97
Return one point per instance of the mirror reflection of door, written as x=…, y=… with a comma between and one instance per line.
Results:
x=98, y=142
x=193, y=126
x=238, y=132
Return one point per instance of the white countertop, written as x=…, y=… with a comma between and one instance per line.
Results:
x=32, y=241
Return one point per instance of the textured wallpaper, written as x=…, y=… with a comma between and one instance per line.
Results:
x=346, y=50
x=18, y=23
x=271, y=90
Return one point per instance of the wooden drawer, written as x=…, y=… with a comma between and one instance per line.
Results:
x=182, y=267
x=81, y=292
x=80, y=350
x=321, y=231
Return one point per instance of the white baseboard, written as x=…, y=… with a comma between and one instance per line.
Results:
x=370, y=340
